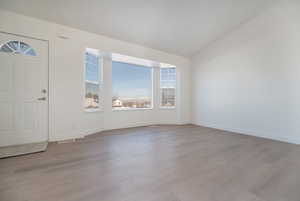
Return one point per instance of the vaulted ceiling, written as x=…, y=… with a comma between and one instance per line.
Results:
x=181, y=27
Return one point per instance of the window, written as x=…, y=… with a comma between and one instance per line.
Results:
x=132, y=86
x=17, y=47
x=93, y=79
x=167, y=87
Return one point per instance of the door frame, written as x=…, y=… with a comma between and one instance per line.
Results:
x=49, y=84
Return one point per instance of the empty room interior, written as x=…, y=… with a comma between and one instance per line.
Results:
x=162, y=100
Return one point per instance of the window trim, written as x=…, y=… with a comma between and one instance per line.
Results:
x=152, y=88
x=160, y=91
x=100, y=82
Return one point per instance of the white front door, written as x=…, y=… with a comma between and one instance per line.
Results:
x=23, y=90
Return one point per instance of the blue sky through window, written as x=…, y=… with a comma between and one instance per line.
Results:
x=168, y=77
x=131, y=81
x=92, y=67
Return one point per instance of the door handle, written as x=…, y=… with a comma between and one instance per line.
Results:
x=42, y=99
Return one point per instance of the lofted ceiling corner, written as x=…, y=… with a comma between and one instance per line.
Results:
x=177, y=27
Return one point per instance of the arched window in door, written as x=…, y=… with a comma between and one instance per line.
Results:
x=17, y=47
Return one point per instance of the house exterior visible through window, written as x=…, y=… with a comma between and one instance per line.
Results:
x=167, y=87
x=132, y=86
x=93, y=79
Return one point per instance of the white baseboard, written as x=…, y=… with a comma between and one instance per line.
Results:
x=248, y=132
x=92, y=131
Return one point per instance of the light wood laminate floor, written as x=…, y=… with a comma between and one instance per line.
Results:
x=162, y=163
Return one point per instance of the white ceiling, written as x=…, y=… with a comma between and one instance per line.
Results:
x=180, y=27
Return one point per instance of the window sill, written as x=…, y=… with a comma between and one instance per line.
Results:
x=132, y=109
x=167, y=108
x=93, y=110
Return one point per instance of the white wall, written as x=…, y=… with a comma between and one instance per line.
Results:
x=249, y=80
x=67, y=117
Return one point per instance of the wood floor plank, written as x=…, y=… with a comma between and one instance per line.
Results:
x=156, y=163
